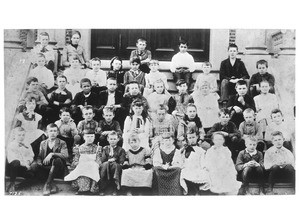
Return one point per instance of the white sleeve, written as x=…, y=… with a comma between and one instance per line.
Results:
x=173, y=64
x=191, y=64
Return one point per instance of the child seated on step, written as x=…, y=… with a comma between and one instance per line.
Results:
x=230, y=132
x=86, y=162
x=207, y=104
x=250, y=127
x=159, y=96
x=193, y=177
x=220, y=167
x=84, y=98
x=167, y=163
x=97, y=76
x=262, y=74
x=107, y=125
x=153, y=76
x=135, y=74
x=74, y=74
x=59, y=98
x=67, y=129
x=279, y=162
x=88, y=123
x=190, y=118
x=112, y=159
x=43, y=74
x=137, y=172
x=32, y=124
x=278, y=124
x=74, y=49
x=142, y=54
x=133, y=93
x=206, y=76
x=250, y=166
x=46, y=49
x=179, y=101
x=137, y=122
x=19, y=158
x=182, y=63
x=117, y=71
x=265, y=102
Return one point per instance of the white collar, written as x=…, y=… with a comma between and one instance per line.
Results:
x=251, y=153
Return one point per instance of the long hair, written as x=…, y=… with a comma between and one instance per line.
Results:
x=139, y=103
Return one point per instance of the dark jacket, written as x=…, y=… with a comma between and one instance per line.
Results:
x=238, y=70
x=245, y=157
x=92, y=100
x=103, y=97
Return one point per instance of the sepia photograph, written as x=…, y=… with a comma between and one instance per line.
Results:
x=149, y=111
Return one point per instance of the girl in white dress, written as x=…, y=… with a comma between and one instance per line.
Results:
x=137, y=122
x=220, y=167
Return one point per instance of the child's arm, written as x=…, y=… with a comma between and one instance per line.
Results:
x=147, y=59
x=63, y=154
x=118, y=128
x=104, y=157
x=98, y=154
x=76, y=156
x=65, y=61
x=241, y=128
x=259, y=132
x=157, y=161
x=191, y=64
x=244, y=72
x=122, y=157
x=42, y=99
x=80, y=127
x=74, y=130
x=239, y=165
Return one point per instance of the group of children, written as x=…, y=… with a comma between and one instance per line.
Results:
x=123, y=131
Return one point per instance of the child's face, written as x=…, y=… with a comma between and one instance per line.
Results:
x=20, y=136
x=206, y=69
x=182, y=48
x=116, y=65
x=264, y=87
x=33, y=86
x=154, y=67
x=88, y=114
x=232, y=52
x=61, y=82
x=251, y=145
x=111, y=85
x=108, y=116
x=241, y=90
x=141, y=45
x=205, y=90
x=277, y=118
x=224, y=118
x=137, y=110
x=191, y=112
x=192, y=139
x=65, y=116
x=89, y=138
x=75, y=39
x=44, y=40
x=135, y=66
x=161, y=114
x=168, y=142
x=134, y=89
x=113, y=140
x=277, y=141
x=134, y=144
x=30, y=105
x=52, y=132
x=41, y=61
x=159, y=87
x=262, y=69
x=182, y=88
x=218, y=140
x=95, y=66
x=249, y=117
x=86, y=87
x=75, y=63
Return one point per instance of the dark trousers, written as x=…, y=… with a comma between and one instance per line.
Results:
x=110, y=172
x=69, y=142
x=285, y=174
x=36, y=145
x=186, y=75
x=252, y=175
x=16, y=170
x=56, y=168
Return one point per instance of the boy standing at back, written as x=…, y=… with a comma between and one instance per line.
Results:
x=141, y=53
x=182, y=63
x=231, y=71
x=46, y=49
